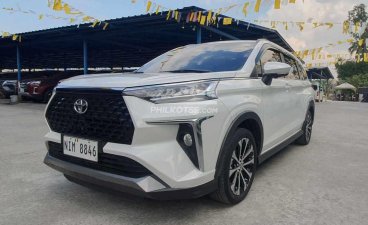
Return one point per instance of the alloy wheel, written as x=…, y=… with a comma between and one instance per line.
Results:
x=242, y=166
x=308, y=127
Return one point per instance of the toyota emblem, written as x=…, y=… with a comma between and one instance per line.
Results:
x=81, y=106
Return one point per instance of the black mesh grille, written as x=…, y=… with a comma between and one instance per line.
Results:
x=107, y=118
x=106, y=162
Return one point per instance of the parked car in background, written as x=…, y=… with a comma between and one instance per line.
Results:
x=9, y=87
x=40, y=89
x=319, y=94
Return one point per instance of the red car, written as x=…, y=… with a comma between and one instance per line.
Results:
x=41, y=89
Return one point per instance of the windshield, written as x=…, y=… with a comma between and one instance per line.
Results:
x=205, y=58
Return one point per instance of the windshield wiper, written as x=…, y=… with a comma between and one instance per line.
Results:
x=187, y=71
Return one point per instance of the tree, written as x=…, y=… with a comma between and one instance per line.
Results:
x=360, y=80
x=355, y=72
x=350, y=68
x=358, y=16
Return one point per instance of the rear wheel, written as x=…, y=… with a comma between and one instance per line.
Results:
x=307, y=130
x=237, y=168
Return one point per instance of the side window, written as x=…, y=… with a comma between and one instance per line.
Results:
x=294, y=74
x=268, y=56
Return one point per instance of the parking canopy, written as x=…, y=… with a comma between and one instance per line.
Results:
x=320, y=73
x=127, y=42
x=345, y=86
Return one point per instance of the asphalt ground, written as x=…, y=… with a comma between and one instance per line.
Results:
x=325, y=182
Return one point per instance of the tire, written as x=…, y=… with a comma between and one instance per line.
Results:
x=307, y=130
x=47, y=96
x=235, y=175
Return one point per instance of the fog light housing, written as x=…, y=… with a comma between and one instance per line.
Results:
x=187, y=142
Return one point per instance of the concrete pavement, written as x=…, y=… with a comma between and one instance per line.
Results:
x=325, y=182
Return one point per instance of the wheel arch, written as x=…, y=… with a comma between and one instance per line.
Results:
x=311, y=108
x=250, y=121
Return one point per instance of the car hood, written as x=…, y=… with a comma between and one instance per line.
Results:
x=123, y=80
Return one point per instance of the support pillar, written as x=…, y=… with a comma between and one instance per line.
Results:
x=199, y=35
x=85, y=57
x=19, y=64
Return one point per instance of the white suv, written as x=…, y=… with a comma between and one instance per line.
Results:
x=196, y=120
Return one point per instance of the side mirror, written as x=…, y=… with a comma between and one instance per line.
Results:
x=273, y=70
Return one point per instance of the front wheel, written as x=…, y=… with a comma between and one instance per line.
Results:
x=237, y=168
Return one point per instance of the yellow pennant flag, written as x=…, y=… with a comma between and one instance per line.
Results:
x=345, y=27
x=5, y=34
x=313, y=53
x=149, y=4
x=365, y=57
x=257, y=6
x=15, y=37
x=105, y=26
x=94, y=23
x=356, y=27
x=228, y=21
x=273, y=24
x=191, y=17
x=203, y=20
x=360, y=42
x=168, y=15
x=209, y=17
x=245, y=8
x=158, y=9
x=351, y=40
x=305, y=53
x=58, y=5
x=300, y=25
x=87, y=19
x=67, y=9
x=330, y=25
x=277, y=4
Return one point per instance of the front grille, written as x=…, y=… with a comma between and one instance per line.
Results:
x=107, y=118
x=106, y=162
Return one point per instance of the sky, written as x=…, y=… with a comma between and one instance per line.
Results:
x=309, y=10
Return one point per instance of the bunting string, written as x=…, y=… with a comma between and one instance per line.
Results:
x=61, y=6
x=14, y=37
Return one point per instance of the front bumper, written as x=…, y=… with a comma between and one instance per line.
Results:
x=148, y=186
x=156, y=148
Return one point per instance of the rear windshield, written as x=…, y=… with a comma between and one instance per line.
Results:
x=214, y=57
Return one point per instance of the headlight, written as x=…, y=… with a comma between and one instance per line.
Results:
x=190, y=91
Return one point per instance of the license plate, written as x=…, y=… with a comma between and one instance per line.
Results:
x=81, y=148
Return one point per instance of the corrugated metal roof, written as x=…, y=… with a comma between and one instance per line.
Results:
x=128, y=41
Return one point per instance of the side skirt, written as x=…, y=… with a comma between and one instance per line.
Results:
x=279, y=147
